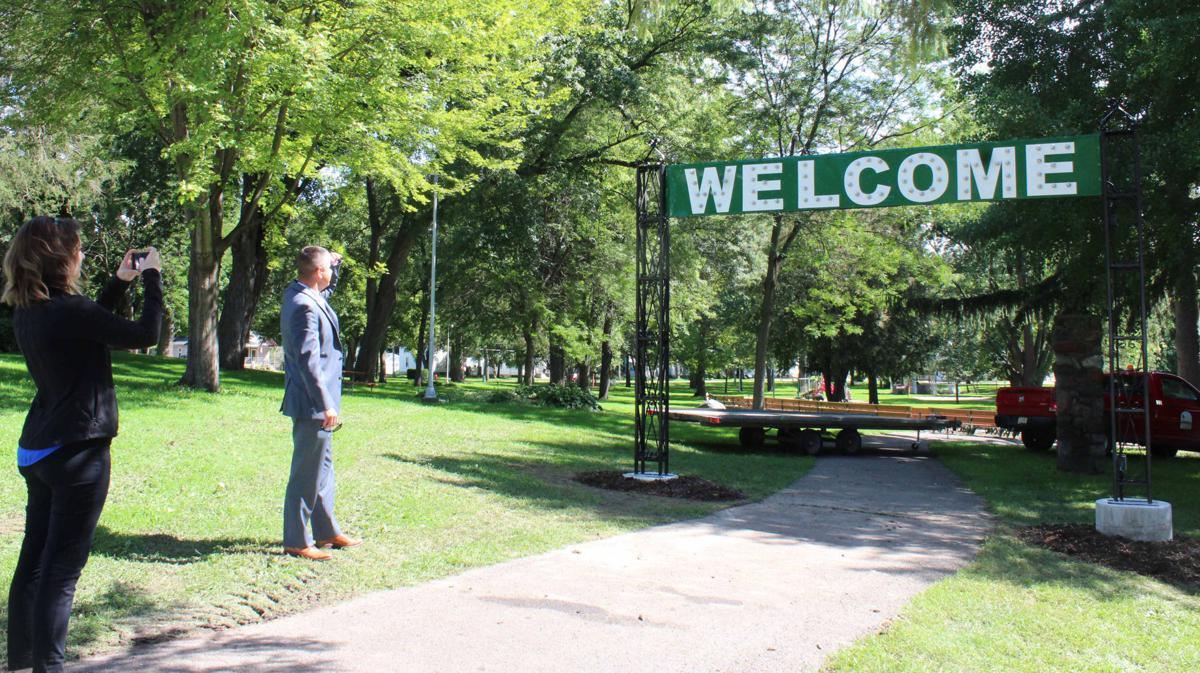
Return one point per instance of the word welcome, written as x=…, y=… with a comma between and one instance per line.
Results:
x=1018, y=169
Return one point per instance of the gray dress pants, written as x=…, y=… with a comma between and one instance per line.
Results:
x=309, y=496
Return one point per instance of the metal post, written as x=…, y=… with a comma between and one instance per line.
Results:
x=652, y=346
x=1122, y=192
x=430, y=391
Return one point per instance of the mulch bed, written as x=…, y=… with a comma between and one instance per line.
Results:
x=690, y=488
x=1177, y=561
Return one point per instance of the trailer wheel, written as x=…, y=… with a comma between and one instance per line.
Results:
x=1037, y=440
x=849, y=441
x=752, y=438
x=1163, y=451
x=810, y=442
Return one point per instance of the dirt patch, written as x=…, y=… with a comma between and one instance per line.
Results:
x=1177, y=561
x=690, y=488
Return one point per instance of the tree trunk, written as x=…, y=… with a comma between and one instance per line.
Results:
x=839, y=384
x=1187, y=342
x=422, y=345
x=1079, y=394
x=766, y=314
x=699, y=388
x=628, y=372
x=606, y=355
x=527, y=373
x=780, y=243
x=457, y=373
x=405, y=229
x=558, y=367
x=247, y=278
x=203, y=277
x=872, y=387
x=583, y=372
x=166, y=333
x=1029, y=357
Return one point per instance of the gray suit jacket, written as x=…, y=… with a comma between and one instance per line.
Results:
x=312, y=352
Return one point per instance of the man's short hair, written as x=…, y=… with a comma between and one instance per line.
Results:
x=310, y=259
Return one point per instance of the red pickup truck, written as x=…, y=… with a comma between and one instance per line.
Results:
x=1174, y=413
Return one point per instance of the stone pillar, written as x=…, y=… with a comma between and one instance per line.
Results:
x=1079, y=393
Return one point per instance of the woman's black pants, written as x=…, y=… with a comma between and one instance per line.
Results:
x=67, y=490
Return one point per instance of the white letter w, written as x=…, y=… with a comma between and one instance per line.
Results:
x=721, y=190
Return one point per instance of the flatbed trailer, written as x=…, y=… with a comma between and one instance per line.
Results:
x=804, y=430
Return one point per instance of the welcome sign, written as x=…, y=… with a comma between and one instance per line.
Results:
x=1017, y=169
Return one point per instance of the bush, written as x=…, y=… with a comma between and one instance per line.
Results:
x=569, y=396
x=8, y=340
x=502, y=397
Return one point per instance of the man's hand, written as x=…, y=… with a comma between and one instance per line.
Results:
x=331, y=419
x=335, y=259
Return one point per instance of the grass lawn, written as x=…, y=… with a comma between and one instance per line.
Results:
x=1021, y=609
x=191, y=533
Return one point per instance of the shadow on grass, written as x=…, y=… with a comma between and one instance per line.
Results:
x=550, y=487
x=164, y=548
x=92, y=620
x=1026, y=487
x=895, y=509
x=245, y=654
x=1008, y=560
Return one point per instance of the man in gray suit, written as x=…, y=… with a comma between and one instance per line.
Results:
x=312, y=397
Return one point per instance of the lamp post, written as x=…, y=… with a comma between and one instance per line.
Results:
x=430, y=396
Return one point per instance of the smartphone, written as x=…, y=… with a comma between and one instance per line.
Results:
x=136, y=259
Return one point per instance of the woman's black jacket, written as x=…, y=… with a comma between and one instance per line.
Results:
x=66, y=342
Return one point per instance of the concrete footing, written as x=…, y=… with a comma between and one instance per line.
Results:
x=651, y=476
x=1135, y=519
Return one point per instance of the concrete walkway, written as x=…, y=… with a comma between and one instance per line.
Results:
x=772, y=586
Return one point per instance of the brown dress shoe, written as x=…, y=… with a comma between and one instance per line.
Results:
x=339, y=542
x=310, y=553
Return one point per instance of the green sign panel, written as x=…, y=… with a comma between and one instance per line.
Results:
x=1017, y=169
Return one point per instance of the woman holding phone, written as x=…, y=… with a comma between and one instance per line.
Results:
x=63, y=453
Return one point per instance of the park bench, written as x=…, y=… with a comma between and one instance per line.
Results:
x=352, y=378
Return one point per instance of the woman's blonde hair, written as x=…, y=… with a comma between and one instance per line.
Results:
x=41, y=259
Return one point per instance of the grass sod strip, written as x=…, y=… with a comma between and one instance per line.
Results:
x=1023, y=609
x=190, y=536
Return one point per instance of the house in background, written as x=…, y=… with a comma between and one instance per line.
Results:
x=263, y=353
x=178, y=348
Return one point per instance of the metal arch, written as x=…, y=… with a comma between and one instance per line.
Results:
x=1124, y=236
x=652, y=360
